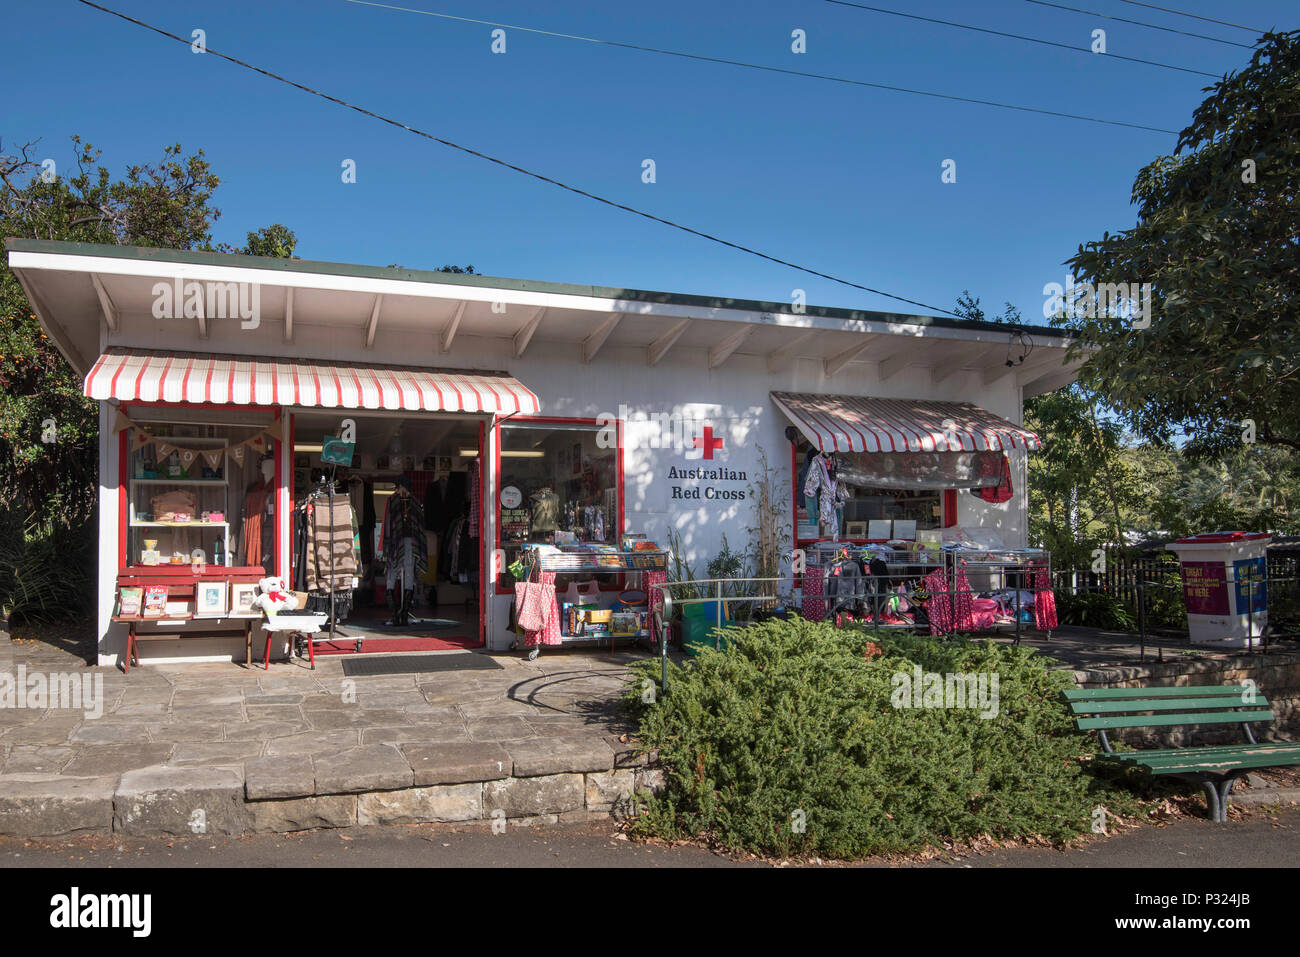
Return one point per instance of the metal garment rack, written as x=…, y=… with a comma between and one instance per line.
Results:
x=326, y=487
x=917, y=562
x=589, y=562
x=1022, y=562
x=903, y=564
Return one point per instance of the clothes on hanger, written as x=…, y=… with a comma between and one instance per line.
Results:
x=331, y=538
x=831, y=495
x=546, y=510
x=1001, y=492
x=473, y=499
x=402, y=541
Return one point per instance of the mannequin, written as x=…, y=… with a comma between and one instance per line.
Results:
x=259, y=512
x=405, y=549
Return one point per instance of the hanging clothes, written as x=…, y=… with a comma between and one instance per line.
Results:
x=255, y=502
x=473, y=499
x=948, y=611
x=809, y=501
x=1001, y=492
x=831, y=495
x=367, y=527
x=402, y=540
x=330, y=560
x=1044, y=598
x=546, y=510
x=433, y=502
x=813, y=606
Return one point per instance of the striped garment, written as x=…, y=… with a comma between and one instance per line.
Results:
x=330, y=533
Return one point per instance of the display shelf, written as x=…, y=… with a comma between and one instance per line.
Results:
x=575, y=561
x=138, y=524
x=569, y=562
x=211, y=495
x=178, y=481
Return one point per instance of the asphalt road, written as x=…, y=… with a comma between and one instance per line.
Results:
x=1263, y=840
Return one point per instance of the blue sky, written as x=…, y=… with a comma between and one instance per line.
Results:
x=844, y=179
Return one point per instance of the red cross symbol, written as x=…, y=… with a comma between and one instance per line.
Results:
x=707, y=442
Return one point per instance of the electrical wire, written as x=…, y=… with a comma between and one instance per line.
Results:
x=1140, y=23
x=1152, y=6
x=769, y=69
x=1018, y=36
x=518, y=169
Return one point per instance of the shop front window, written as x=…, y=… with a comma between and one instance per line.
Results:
x=557, y=486
x=199, y=493
x=887, y=497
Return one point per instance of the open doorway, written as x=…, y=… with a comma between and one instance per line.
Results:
x=389, y=545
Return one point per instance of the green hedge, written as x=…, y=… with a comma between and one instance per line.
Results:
x=794, y=723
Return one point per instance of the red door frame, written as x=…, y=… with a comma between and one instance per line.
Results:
x=483, y=566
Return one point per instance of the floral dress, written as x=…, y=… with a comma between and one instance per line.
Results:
x=831, y=495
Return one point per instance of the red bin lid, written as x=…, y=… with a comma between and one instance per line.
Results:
x=1210, y=538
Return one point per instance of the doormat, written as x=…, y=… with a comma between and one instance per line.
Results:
x=377, y=626
x=418, y=664
x=370, y=643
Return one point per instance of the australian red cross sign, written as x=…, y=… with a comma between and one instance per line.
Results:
x=712, y=484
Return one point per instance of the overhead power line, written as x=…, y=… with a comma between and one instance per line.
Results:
x=1018, y=36
x=1152, y=6
x=770, y=69
x=518, y=169
x=1140, y=23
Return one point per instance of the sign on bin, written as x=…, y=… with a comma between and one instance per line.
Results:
x=1224, y=579
x=1205, y=587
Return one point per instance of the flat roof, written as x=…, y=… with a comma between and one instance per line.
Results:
x=314, y=267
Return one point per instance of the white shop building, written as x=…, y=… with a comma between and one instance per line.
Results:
x=220, y=377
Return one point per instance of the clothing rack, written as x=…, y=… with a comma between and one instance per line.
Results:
x=1005, y=564
x=904, y=561
x=325, y=487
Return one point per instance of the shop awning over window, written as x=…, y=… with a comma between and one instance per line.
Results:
x=145, y=376
x=850, y=423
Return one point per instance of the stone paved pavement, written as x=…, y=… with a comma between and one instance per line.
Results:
x=221, y=714
x=315, y=748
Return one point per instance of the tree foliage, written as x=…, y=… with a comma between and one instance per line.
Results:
x=48, y=429
x=1080, y=485
x=1218, y=238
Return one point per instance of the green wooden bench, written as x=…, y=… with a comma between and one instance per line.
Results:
x=1215, y=767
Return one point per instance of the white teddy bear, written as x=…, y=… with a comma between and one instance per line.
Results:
x=275, y=596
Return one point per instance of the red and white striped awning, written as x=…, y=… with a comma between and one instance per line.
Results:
x=133, y=375
x=852, y=423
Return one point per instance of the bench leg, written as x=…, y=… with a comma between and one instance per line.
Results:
x=1216, y=796
x=1211, y=799
x=1225, y=787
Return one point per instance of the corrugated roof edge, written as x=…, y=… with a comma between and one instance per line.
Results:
x=308, y=266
